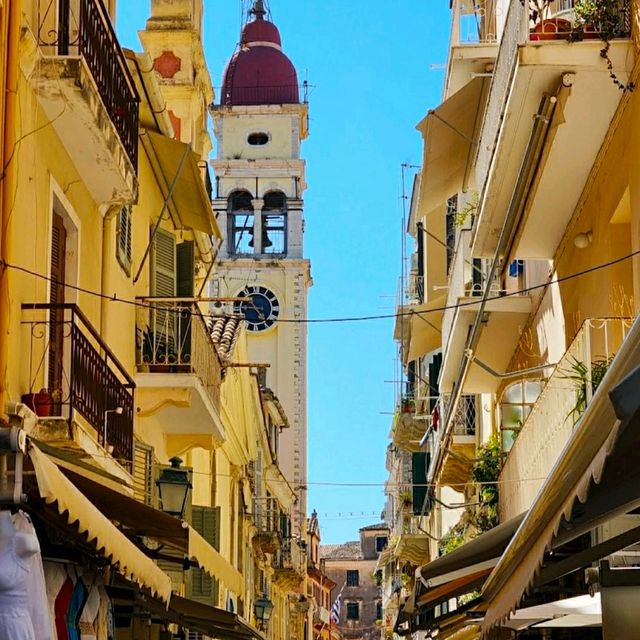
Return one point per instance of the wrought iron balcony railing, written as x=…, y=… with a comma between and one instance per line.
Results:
x=83, y=375
x=83, y=28
x=291, y=557
x=172, y=336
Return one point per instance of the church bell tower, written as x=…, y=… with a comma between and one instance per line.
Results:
x=260, y=124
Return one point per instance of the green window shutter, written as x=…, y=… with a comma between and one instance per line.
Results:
x=206, y=521
x=419, y=477
x=163, y=284
x=185, y=261
x=434, y=373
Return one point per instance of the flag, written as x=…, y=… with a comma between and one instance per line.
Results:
x=335, y=609
x=435, y=417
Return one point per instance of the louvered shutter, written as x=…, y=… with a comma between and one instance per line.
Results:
x=57, y=297
x=206, y=521
x=419, y=478
x=143, y=472
x=163, y=284
x=185, y=261
x=434, y=374
x=124, y=239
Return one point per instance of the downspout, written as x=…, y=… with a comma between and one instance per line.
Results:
x=525, y=177
x=8, y=177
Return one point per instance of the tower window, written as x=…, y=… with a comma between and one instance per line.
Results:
x=258, y=139
x=241, y=218
x=274, y=223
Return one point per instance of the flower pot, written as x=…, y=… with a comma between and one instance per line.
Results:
x=39, y=403
x=552, y=29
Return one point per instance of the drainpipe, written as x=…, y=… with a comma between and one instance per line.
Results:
x=525, y=177
x=8, y=177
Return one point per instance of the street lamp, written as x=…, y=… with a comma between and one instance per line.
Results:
x=118, y=411
x=174, y=486
x=263, y=608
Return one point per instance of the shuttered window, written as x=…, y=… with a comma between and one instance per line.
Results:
x=206, y=521
x=419, y=476
x=57, y=297
x=143, y=472
x=123, y=252
x=163, y=284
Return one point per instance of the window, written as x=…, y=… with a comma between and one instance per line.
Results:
x=123, y=252
x=379, y=610
x=241, y=218
x=274, y=223
x=452, y=210
x=258, y=139
x=353, y=578
x=353, y=611
x=381, y=543
x=206, y=521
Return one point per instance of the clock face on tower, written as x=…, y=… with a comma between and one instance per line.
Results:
x=261, y=309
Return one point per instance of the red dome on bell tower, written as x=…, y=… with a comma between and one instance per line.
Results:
x=260, y=72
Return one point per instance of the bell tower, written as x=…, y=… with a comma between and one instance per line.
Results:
x=260, y=124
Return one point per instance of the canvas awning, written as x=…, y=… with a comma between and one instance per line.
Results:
x=450, y=141
x=600, y=435
x=190, y=199
x=456, y=573
x=203, y=618
x=425, y=328
x=142, y=520
x=55, y=488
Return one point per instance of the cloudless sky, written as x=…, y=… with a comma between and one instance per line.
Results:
x=370, y=67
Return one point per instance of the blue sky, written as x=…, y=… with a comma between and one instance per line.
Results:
x=370, y=65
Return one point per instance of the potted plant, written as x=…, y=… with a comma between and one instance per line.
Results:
x=39, y=403
x=545, y=26
x=604, y=19
x=407, y=404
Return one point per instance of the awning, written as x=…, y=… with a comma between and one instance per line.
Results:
x=55, y=487
x=189, y=196
x=413, y=548
x=426, y=328
x=384, y=558
x=450, y=141
x=143, y=520
x=456, y=573
x=580, y=611
x=202, y=618
x=580, y=467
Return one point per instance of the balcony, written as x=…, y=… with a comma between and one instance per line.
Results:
x=551, y=420
x=413, y=544
x=290, y=564
x=82, y=384
x=79, y=74
x=179, y=372
x=503, y=320
x=268, y=523
x=547, y=91
x=460, y=450
x=475, y=33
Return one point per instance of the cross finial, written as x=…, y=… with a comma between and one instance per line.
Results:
x=258, y=10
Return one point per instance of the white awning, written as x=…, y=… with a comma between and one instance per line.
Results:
x=56, y=488
x=450, y=140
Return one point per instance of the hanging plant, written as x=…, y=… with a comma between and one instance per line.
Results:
x=606, y=18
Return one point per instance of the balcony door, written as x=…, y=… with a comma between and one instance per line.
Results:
x=56, y=320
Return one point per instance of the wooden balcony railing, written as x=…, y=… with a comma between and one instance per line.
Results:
x=173, y=337
x=83, y=28
x=83, y=374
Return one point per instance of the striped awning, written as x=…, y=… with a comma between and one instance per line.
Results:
x=55, y=488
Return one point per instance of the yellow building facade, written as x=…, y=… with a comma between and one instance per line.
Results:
x=114, y=367
x=523, y=216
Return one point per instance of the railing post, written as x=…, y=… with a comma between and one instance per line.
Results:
x=586, y=347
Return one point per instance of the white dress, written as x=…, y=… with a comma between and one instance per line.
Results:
x=23, y=603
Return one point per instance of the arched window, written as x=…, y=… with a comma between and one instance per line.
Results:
x=240, y=223
x=274, y=223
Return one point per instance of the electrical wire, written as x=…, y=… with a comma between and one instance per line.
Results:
x=335, y=320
